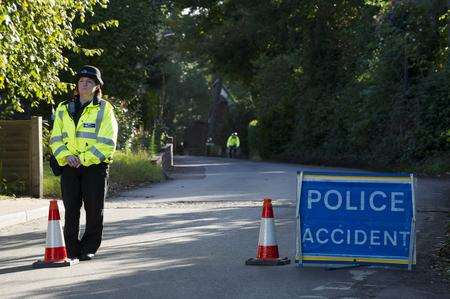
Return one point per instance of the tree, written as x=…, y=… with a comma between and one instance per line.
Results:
x=35, y=36
x=188, y=97
x=332, y=81
x=128, y=50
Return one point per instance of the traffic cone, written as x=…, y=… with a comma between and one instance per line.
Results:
x=267, y=252
x=55, y=250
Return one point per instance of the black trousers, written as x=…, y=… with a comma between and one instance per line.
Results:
x=232, y=151
x=86, y=185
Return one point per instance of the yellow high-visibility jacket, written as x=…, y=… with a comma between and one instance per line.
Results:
x=93, y=140
x=233, y=140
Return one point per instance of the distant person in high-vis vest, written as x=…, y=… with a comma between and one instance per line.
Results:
x=83, y=141
x=233, y=144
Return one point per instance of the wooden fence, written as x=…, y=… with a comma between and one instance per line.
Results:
x=21, y=153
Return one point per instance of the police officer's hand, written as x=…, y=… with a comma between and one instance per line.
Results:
x=73, y=161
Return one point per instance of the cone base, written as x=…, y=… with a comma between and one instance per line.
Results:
x=268, y=262
x=65, y=263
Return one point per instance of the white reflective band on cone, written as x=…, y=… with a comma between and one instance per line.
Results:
x=267, y=232
x=54, y=234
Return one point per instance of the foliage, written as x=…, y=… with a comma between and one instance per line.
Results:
x=129, y=52
x=341, y=82
x=144, y=141
x=253, y=143
x=144, y=73
x=132, y=168
x=51, y=183
x=154, y=144
x=140, y=141
x=34, y=38
x=11, y=186
x=127, y=122
x=405, y=103
x=188, y=97
x=145, y=78
x=3, y=182
x=46, y=133
x=355, y=82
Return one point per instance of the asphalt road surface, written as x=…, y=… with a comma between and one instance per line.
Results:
x=189, y=238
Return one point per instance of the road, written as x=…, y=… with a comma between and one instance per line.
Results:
x=189, y=238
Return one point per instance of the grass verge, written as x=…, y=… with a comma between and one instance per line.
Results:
x=132, y=169
x=51, y=184
x=128, y=170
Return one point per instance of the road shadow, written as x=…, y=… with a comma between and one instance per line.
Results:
x=189, y=254
x=193, y=254
x=201, y=254
x=16, y=269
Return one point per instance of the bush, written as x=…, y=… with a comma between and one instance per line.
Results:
x=46, y=133
x=127, y=122
x=132, y=168
x=140, y=141
x=12, y=186
x=51, y=186
x=253, y=139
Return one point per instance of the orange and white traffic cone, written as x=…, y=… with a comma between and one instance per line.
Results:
x=267, y=253
x=55, y=250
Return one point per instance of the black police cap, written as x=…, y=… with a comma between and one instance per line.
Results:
x=90, y=72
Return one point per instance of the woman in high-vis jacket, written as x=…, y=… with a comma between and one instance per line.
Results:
x=83, y=141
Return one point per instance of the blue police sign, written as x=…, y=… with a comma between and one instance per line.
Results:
x=356, y=219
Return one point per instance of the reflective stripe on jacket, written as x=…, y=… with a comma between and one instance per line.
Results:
x=94, y=138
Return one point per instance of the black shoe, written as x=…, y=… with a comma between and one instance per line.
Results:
x=87, y=257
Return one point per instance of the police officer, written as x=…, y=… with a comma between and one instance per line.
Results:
x=83, y=141
x=233, y=144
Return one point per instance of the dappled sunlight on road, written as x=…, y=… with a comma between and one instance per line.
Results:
x=156, y=248
x=203, y=165
x=206, y=197
x=189, y=239
x=249, y=173
x=272, y=172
